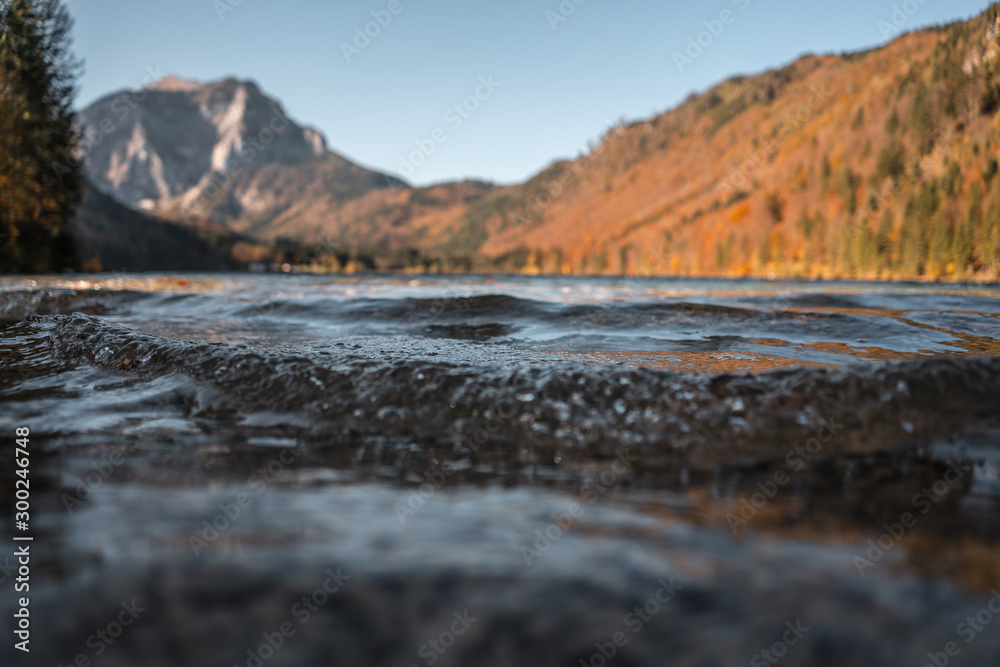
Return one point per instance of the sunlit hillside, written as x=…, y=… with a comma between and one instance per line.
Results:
x=877, y=164
x=880, y=164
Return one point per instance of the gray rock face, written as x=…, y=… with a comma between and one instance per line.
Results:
x=171, y=141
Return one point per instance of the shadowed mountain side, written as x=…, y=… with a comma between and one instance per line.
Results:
x=114, y=237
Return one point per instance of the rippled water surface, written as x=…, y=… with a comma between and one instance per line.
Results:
x=669, y=471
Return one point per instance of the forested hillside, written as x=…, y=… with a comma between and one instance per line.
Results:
x=881, y=164
x=873, y=165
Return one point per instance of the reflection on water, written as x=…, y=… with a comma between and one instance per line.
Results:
x=689, y=362
x=543, y=455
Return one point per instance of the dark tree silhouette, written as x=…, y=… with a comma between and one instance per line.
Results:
x=39, y=176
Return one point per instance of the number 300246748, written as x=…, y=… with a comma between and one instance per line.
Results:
x=21, y=459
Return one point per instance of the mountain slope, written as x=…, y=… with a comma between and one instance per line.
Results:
x=113, y=237
x=881, y=164
x=878, y=164
x=225, y=153
x=148, y=146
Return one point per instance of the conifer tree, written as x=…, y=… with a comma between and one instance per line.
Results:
x=883, y=239
x=923, y=120
x=940, y=249
x=962, y=248
x=988, y=237
x=39, y=175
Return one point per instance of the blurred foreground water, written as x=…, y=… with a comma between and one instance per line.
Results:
x=288, y=470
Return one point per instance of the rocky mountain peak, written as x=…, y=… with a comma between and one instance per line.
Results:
x=174, y=83
x=174, y=139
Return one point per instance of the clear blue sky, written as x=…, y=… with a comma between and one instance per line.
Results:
x=559, y=89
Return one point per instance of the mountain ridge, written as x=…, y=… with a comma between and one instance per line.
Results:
x=147, y=146
x=889, y=172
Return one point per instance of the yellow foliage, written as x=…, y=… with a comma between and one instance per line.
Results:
x=739, y=213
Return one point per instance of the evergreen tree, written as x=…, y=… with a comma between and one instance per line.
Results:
x=848, y=184
x=779, y=248
x=825, y=171
x=923, y=120
x=975, y=215
x=833, y=248
x=39, y=175
x=915, y=234
x=988, y=236
x=764, y=253
x=721, y=259
x=892, y=125
x=962, y=248
x=859, y=244
x=891, y=162
x=911, y=249
x=867, y=252
x=775, y=206
x=953, y=180
x=859, y=120
x=940, y=250
x=883, y=239
x=807, y=224
x=846, y=248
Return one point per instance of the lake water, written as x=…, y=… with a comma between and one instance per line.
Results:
x=302, y=470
